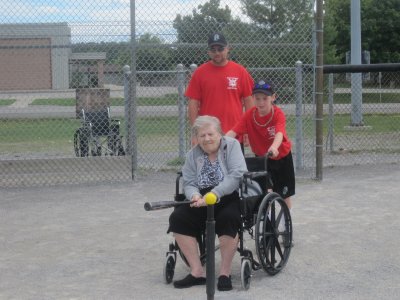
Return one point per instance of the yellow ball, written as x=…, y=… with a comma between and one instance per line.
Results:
x=210, y=198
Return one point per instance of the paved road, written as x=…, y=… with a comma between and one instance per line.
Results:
x=97, y=242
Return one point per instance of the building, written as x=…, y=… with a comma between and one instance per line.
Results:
x=34, y=56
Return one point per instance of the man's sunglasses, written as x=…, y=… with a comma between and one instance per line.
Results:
x=216, y=49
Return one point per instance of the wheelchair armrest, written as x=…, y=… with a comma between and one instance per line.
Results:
x=178, y=179
x=115, y=121
x=252, y=175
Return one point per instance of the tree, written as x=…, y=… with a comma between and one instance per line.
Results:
x=380, y=29
x=194, y=29
x=278, y=16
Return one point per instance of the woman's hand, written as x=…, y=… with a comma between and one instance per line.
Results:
x=198, y=201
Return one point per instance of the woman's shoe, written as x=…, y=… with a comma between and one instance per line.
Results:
x=189, y=281
x=224, y=283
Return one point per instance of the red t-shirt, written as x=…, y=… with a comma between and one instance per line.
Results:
x=262, y=137
x=220, y=91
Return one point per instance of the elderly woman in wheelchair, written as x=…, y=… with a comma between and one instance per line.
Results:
x=216, y=164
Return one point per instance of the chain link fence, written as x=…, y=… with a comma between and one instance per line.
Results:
x=362, y=117
x=93, y=91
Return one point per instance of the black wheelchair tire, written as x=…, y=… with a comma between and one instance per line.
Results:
x=81, y=142
x=169, y=269
x=245, y=273
x=272, y=245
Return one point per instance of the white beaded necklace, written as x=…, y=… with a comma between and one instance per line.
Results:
x=269, y=121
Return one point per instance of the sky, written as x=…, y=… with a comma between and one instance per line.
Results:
x=103, y=19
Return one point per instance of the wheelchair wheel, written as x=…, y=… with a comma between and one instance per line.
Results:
x=169, y=269
x=121, y=151
x=81, y=142
x=273, y=241
x=245, y=273
x=114, y=144
x=96, y=150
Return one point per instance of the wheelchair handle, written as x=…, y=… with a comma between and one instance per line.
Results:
x=148, y=206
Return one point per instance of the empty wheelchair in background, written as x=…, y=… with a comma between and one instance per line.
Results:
x=98, y=135
x=265, y=217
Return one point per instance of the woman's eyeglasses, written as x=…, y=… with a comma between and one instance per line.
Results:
x=216, y=49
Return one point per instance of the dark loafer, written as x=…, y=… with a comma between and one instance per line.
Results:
x=224, y=283
x=189, y=281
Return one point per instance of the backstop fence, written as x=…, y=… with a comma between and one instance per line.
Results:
x=94, y=91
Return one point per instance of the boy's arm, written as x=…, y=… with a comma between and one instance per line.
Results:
x=276, y=144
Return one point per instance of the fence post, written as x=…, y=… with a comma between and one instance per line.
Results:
x=299, y=120
x=127, y=74
x=181, y=108
x=331, y=113
x=132, y=93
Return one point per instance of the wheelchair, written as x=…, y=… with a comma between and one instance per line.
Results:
x=98, y=135
x=265, y=217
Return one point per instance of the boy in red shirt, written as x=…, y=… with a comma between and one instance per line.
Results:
x=265, y=125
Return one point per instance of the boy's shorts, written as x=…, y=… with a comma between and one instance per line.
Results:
x=282, y=175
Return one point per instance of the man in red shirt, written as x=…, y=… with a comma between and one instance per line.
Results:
x=219, y=87
x=265, y=125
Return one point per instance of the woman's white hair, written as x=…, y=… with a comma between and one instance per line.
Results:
x=204, y=121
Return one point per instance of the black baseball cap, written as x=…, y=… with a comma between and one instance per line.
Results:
x=216, y=38
x=263, y=87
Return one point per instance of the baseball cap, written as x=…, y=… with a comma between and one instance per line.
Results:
x=216, y=38
x=263, y=87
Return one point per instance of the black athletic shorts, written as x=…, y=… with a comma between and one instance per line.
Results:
x=282, y=175
x=191, y=221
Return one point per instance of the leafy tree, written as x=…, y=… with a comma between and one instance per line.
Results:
x=380, y=29
x=194, y=29
x=279, y=16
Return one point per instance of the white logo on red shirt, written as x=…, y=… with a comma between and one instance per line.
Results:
x=271, y=132
x=232, y=83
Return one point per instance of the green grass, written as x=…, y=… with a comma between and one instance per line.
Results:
x=36, y=135
x=153, y=134
x=169, y=99
x=383, y=123
x=6, y=102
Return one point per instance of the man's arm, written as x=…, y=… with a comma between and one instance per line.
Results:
x=193, y=110
x=231, y=134
x=193, y=113
x=248, y=102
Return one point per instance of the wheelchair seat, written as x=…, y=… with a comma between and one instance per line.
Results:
x=99, y=134
x=99, y=120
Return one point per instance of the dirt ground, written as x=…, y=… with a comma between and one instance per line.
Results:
x=97, y=242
